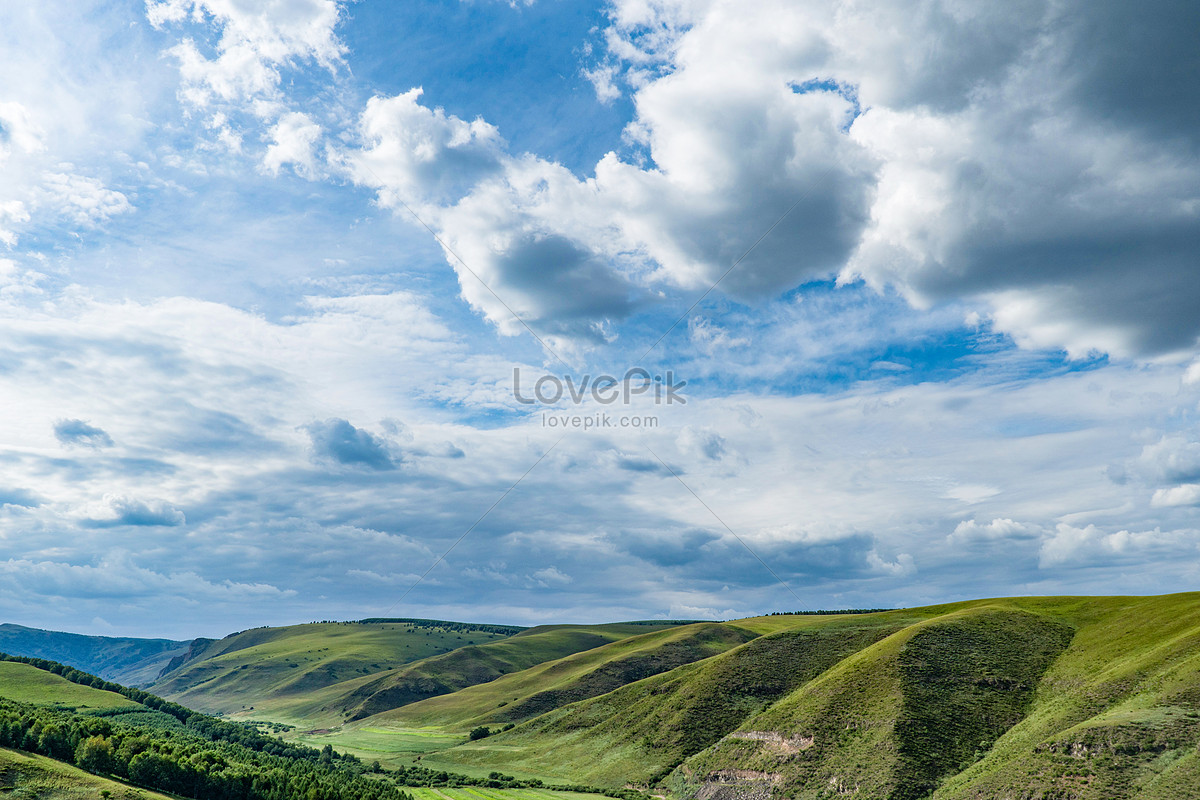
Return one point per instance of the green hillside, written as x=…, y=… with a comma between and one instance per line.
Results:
x=321, y=675
x=29, y=775
x=642, y=730
x=133, y=662
x=28, y=684
x=475, y=665
x=283, y=667
x=1041, y=697
x=1072, y=698
x=553, y=684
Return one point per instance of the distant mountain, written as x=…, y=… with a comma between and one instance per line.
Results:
x=133, y=662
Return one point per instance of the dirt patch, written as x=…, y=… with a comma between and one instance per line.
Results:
x=777, y=742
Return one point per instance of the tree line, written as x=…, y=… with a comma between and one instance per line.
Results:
x=194, y=755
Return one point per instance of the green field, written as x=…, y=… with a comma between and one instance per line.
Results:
x=28, y=684
x=479, y=793
x=33, y=776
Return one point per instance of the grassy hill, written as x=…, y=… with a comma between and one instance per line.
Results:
x=320, y=675
x=286, y=666
x=1081, y=698
x=1072, y=698
x=133, y=662
x=553, y=684
x=30, y=775
x=28, y=684
x=474, y=665
x=641, y=730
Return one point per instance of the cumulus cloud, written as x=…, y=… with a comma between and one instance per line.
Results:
x=1074, y=546
x=18, y=131
x=338, y=441
x=1187, y=494
x=76, y=432
x=1173, y=458
x=84, y=200
x=256, y=41
x=294, y=139
x=992, y=167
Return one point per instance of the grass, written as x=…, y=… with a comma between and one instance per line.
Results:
x=286, y=667
x=28, y=684
x=643, y=729
x=1050, y=697
x=32, y=776
x=479, y=793
x=579, y=676
x=471, y=666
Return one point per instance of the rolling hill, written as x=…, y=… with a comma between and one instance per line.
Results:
x=1023, y=697
x=28, y=684
x=1072, y=698
x=278, y=666
x=323, y=674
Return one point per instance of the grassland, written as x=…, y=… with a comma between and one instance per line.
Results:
x=1060, y=697
x=286, y=668
x=34, y=776
x=555, y=683
x=28, y=684
x=321, y=675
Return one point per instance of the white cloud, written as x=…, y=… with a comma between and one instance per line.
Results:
x=295, y=137
x=902, y=567
x=85, y=201
x=18, y=131
x=549, y=576
x=1072, y=546
x=603, y=81
x=118, y=509
x=1187, y=494
x=416, y=155
x=996, y=530
x=978, y=170
x=256, y=41
x=1174, y=458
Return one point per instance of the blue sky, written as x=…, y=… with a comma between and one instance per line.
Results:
x=929, y=271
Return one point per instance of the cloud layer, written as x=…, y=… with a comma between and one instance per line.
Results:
x=244, y=384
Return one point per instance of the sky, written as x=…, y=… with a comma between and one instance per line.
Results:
x=544, y=311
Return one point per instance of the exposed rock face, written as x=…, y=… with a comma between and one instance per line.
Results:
x=738, y=784
x=196, y=648
x=777, y=742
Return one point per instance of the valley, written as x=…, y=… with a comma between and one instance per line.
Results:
x=1073, y=697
